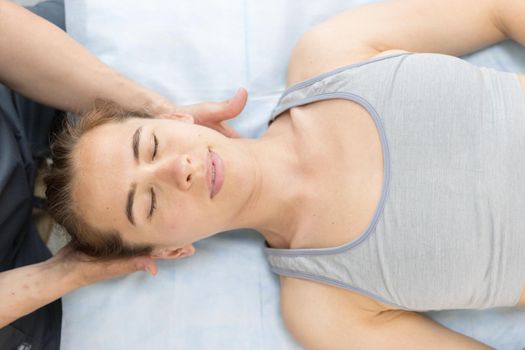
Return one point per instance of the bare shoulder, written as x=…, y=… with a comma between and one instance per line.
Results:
x=316, y=53
x=313, y=56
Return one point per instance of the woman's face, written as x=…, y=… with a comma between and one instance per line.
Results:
x=149, y=180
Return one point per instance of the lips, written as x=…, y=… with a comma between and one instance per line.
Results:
x=214, y=173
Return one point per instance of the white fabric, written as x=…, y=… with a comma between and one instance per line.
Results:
x=224, y=297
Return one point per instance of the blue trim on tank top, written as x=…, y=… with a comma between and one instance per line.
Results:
x=335, y=71
x=386, y=176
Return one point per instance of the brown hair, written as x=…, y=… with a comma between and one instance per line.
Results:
x=58, y=179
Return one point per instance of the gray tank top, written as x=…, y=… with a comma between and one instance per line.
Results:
x=449, y=229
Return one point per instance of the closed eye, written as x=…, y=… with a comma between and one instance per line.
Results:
x=153, y=203
x=155, y=147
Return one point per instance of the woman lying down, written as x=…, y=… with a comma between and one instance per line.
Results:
x=388, y=182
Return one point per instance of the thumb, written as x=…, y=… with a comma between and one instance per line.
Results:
x=206, y=112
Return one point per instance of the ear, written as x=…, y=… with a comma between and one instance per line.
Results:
x=178, y=253
x=180, y=116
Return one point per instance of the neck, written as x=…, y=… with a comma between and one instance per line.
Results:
x=274, y=206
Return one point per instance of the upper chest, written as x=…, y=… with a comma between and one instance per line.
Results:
x=342, y=159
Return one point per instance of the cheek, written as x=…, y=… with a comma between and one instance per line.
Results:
x=191, y=219
x=176, y=217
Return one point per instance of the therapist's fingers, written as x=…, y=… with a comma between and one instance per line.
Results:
x=209, y=112
x=103, y=270
x=88, y=270
x=221, y=127
x=212, y=114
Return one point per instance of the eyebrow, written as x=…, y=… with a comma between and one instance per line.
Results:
x=135, y=141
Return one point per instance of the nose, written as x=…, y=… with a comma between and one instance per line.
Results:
x=174, y=170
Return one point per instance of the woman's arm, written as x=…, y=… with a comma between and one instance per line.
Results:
x=325, y=317
x=395, y=330
x=441, y=26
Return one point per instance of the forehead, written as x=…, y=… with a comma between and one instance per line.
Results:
x=103, y=161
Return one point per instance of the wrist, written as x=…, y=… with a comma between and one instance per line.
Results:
x=130, y=95
x=68, y=271
x=138, y=97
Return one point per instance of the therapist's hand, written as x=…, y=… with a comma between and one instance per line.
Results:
x=27, y=288
x=85, y=270
x=213, y=114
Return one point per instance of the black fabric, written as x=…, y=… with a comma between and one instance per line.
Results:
x=25, y=127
